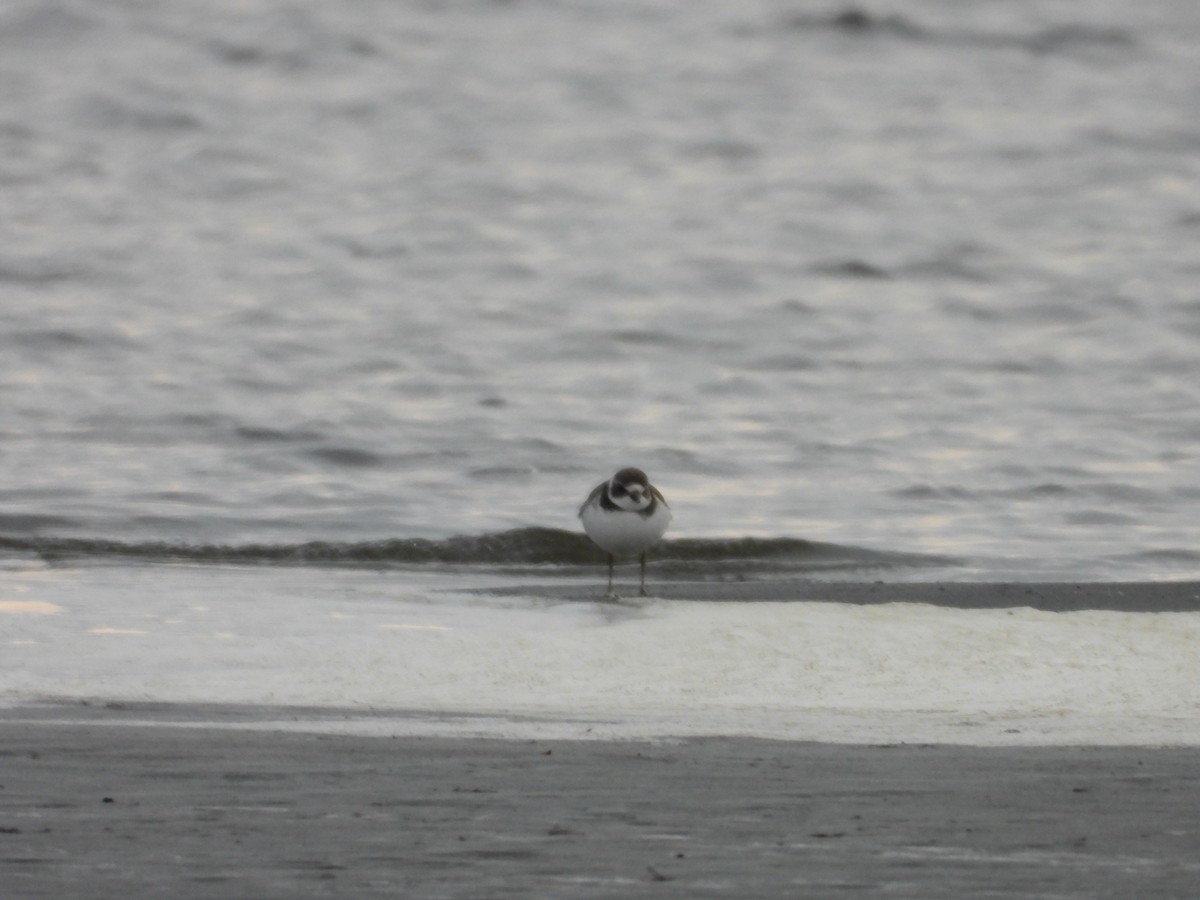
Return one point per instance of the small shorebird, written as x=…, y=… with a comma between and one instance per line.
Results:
x=625, y=516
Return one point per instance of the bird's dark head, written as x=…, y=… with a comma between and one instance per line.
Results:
x=630, y=489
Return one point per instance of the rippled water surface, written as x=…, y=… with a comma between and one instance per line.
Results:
x=920, y=278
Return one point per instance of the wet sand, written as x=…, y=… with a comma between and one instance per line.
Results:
x=93, y=806
x=1145, y=596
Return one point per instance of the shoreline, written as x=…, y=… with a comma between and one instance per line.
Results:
x=1051, y=596
x=114, y=812
x=980, y=730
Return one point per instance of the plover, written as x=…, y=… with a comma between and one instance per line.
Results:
x=625, y=516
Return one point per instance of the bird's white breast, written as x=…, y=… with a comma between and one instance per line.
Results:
x=624, y=533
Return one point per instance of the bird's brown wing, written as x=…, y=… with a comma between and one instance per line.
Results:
x=594, y=495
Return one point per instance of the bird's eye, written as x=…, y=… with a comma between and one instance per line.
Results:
x=619, y=490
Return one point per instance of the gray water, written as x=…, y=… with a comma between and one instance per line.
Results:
x=919, y=278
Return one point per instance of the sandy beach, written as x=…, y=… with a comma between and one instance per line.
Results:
x=305, y=768
x=93, y=807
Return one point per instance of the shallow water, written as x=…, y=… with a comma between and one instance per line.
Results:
x=412, y=652
x=920, y=280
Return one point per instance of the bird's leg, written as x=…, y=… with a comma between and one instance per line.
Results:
x=610, y=593
x=642, y=590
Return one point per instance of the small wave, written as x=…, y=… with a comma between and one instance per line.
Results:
x=64, y=340
x=49, y=339
x=1130, y=495
x=347, y=457
x=520, y=547
x=852, y=268
x=32, y=522
x=262, y=434
x=36, y=271
x=1067, y=37
x=1064, y=38
x=1170, y=555
x=854, y=20
x=931, y=492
